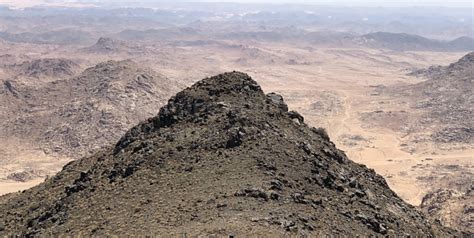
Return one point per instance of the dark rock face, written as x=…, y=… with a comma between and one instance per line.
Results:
x=221, y=158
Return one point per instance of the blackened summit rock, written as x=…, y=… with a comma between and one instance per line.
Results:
x=220, y=159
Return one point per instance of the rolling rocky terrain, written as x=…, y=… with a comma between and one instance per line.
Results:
x=451, y=208
x=438, y=106
x=439, y=117
x=60, y=37
x=105, y=45
x=75, y=116
x=347, y=69
x=448, y=99
x=408, y=42
x=221, y=158
x=51, y=68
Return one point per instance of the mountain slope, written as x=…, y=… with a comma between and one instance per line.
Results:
x=447, y=96
x=60, y=37
x=75, y=116
x=408, y=42
x=48, y=67
x=452, y=208
x=105, y=45
x=437, y=110
x=221, y=158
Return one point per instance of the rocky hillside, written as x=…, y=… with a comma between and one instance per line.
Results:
x=408, y=42
x=451, y=208
x=59, y=37
x=105, y=45
x=447, y=97
x=451, y=198
x=437, y=108
x=221, y=158
x=48, y=67
x=76, y=116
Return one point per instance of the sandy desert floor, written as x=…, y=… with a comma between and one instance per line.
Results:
x=331, y=87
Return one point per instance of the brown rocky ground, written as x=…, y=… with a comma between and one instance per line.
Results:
x=438, y=113
x=451, y=208
x=335, y=88
x=73, y=117
x=221, y=158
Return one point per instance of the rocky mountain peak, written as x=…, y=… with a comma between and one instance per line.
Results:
x=230, y=90
x=112, y=79
x=221, y=158
x=107, y=45
x=106, y=42
x=111, y=68
x=465, y=63
x=234, y=93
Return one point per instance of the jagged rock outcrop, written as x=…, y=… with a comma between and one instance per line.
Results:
x=221, y=158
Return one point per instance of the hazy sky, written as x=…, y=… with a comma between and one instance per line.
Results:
x=370, y=3
x=462, y=3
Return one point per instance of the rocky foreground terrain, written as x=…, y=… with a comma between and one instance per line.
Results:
x=221, y=158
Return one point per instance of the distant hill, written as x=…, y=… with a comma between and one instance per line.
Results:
x=448, y=98
x=166, y=34
x=404, y=42
x=462, y=43
x=73, y=117
x=48, y=67
x=110, y=46
x=379, y=40
x=60, y=37
x=107, y=45
x=220, y=159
